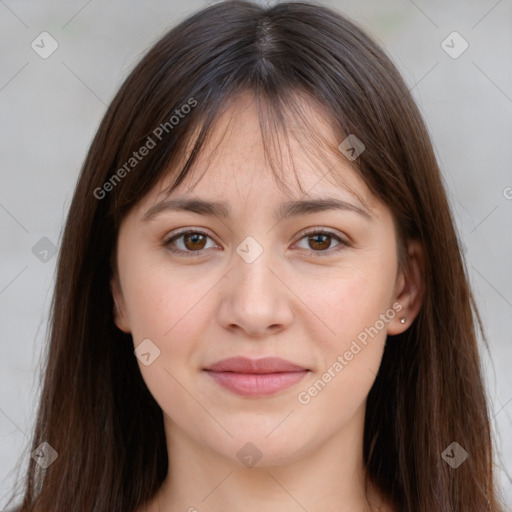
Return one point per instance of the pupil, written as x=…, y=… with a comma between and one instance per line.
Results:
x=195, y=239
x=315, y=237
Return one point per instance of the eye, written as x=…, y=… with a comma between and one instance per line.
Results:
x=321, y=240
x=194, y=241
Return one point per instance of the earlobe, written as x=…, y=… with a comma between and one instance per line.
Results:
x=119, y=306
x=409, y=290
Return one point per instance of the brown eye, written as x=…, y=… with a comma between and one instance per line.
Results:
x=189, y=243
x=194, y=241
x=318, y=242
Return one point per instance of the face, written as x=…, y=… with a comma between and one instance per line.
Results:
x=319, y=289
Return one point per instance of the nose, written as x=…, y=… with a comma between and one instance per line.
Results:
x=255, y=300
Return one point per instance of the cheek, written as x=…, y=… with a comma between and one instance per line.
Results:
x=357, y=310
x=151, y=306
x=161, y=312
x=173, y=308
x=349, y=303
x=161, y=300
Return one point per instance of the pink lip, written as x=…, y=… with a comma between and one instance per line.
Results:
x=256, y=377
x=246, y=365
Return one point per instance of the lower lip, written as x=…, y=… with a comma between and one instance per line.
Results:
x=256, y=384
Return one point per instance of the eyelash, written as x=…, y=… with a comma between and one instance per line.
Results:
x=342, y=243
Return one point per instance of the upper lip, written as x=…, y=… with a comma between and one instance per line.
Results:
x=247, y=365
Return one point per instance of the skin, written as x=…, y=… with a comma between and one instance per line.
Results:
x=290, y=302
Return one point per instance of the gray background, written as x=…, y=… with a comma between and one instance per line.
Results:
x=50, y=109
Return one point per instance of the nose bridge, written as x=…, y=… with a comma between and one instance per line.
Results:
x=252, y=264
x=255, y=299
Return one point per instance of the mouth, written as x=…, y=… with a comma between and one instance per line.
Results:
x=256, y=377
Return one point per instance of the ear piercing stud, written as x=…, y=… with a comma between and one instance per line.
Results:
x=402, y=320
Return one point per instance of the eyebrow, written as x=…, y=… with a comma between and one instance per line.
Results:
x=221, y=209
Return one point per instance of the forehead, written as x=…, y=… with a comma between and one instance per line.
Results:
x=247, y=152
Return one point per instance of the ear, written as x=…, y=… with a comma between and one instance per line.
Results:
x=409, y=289
x=120, y=316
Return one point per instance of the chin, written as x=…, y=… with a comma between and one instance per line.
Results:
x=256, y=448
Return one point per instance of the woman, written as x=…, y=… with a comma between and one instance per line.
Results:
x=224, y=336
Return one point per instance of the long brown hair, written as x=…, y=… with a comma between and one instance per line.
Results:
x=95, y=409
